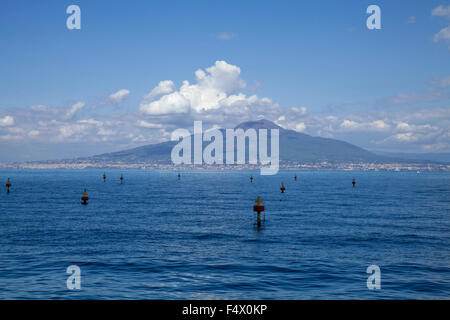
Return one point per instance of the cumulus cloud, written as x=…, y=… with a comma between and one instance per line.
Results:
x=419, y=130
x=6, y=121
x=163, y=87
x=215, y=88
x=119, y=96
x=168, y=104
x=221, y=76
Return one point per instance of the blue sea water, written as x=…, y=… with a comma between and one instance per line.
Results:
x=155, y=237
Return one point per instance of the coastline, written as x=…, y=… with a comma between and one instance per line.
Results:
x=318, y=166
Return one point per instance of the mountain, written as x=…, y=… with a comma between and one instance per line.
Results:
x=294, y=146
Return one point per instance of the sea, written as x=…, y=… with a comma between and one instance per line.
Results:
x=159, y=237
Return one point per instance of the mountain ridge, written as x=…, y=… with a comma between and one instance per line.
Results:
x=294, y=146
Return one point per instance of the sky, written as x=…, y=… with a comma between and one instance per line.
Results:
x=138, y=70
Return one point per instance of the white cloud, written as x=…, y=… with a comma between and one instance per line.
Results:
x=300, y=127
x=91, y=121
x=119, y=96
x=349, y=124
x=444, y=34
x=403, y=126
x=74, y=109
x=163, y=87
x=368, y=126
x=33, y=133
x=222, y=76
x=300, y=111
x=72, y=129
x=406, y=127
x=6, y=121
x=379, y=125
x=168, y=104
x=9, y=137
x=145, y=124
x=213, y=90
x=441, y=11
x=405, y=137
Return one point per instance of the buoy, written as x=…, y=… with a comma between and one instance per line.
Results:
x=121, y=179
x=282, y=188
x=8, y=185
x=85, y=197
x=258, y=208
x=251, y=179
x=295, y=177
x=353, y=182
x=104, y=177
x=179, y=176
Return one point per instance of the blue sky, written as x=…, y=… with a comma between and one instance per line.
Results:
x=315, y=56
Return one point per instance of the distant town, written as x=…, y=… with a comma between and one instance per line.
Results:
x=284, y=165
